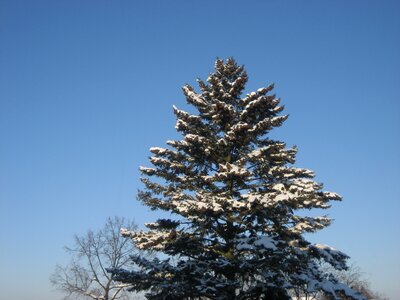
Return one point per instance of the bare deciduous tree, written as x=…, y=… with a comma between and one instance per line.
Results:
x=353, y=277
x=86, y=276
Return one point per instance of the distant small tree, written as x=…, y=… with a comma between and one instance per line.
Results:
x=354, y=278
x=86, y=276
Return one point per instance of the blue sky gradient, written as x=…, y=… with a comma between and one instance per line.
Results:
x=86, y=87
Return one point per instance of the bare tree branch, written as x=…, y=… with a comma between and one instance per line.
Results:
x=86, y=275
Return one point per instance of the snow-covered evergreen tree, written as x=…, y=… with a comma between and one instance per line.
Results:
x=237, y=203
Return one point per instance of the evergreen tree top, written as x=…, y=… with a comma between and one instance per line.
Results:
x=238, y=203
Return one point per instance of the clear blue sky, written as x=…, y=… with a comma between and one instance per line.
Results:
x=86, y=87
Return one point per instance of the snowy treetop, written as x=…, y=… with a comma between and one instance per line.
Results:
x=238, y=202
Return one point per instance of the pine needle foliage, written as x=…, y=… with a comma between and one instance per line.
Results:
x=238, y=203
